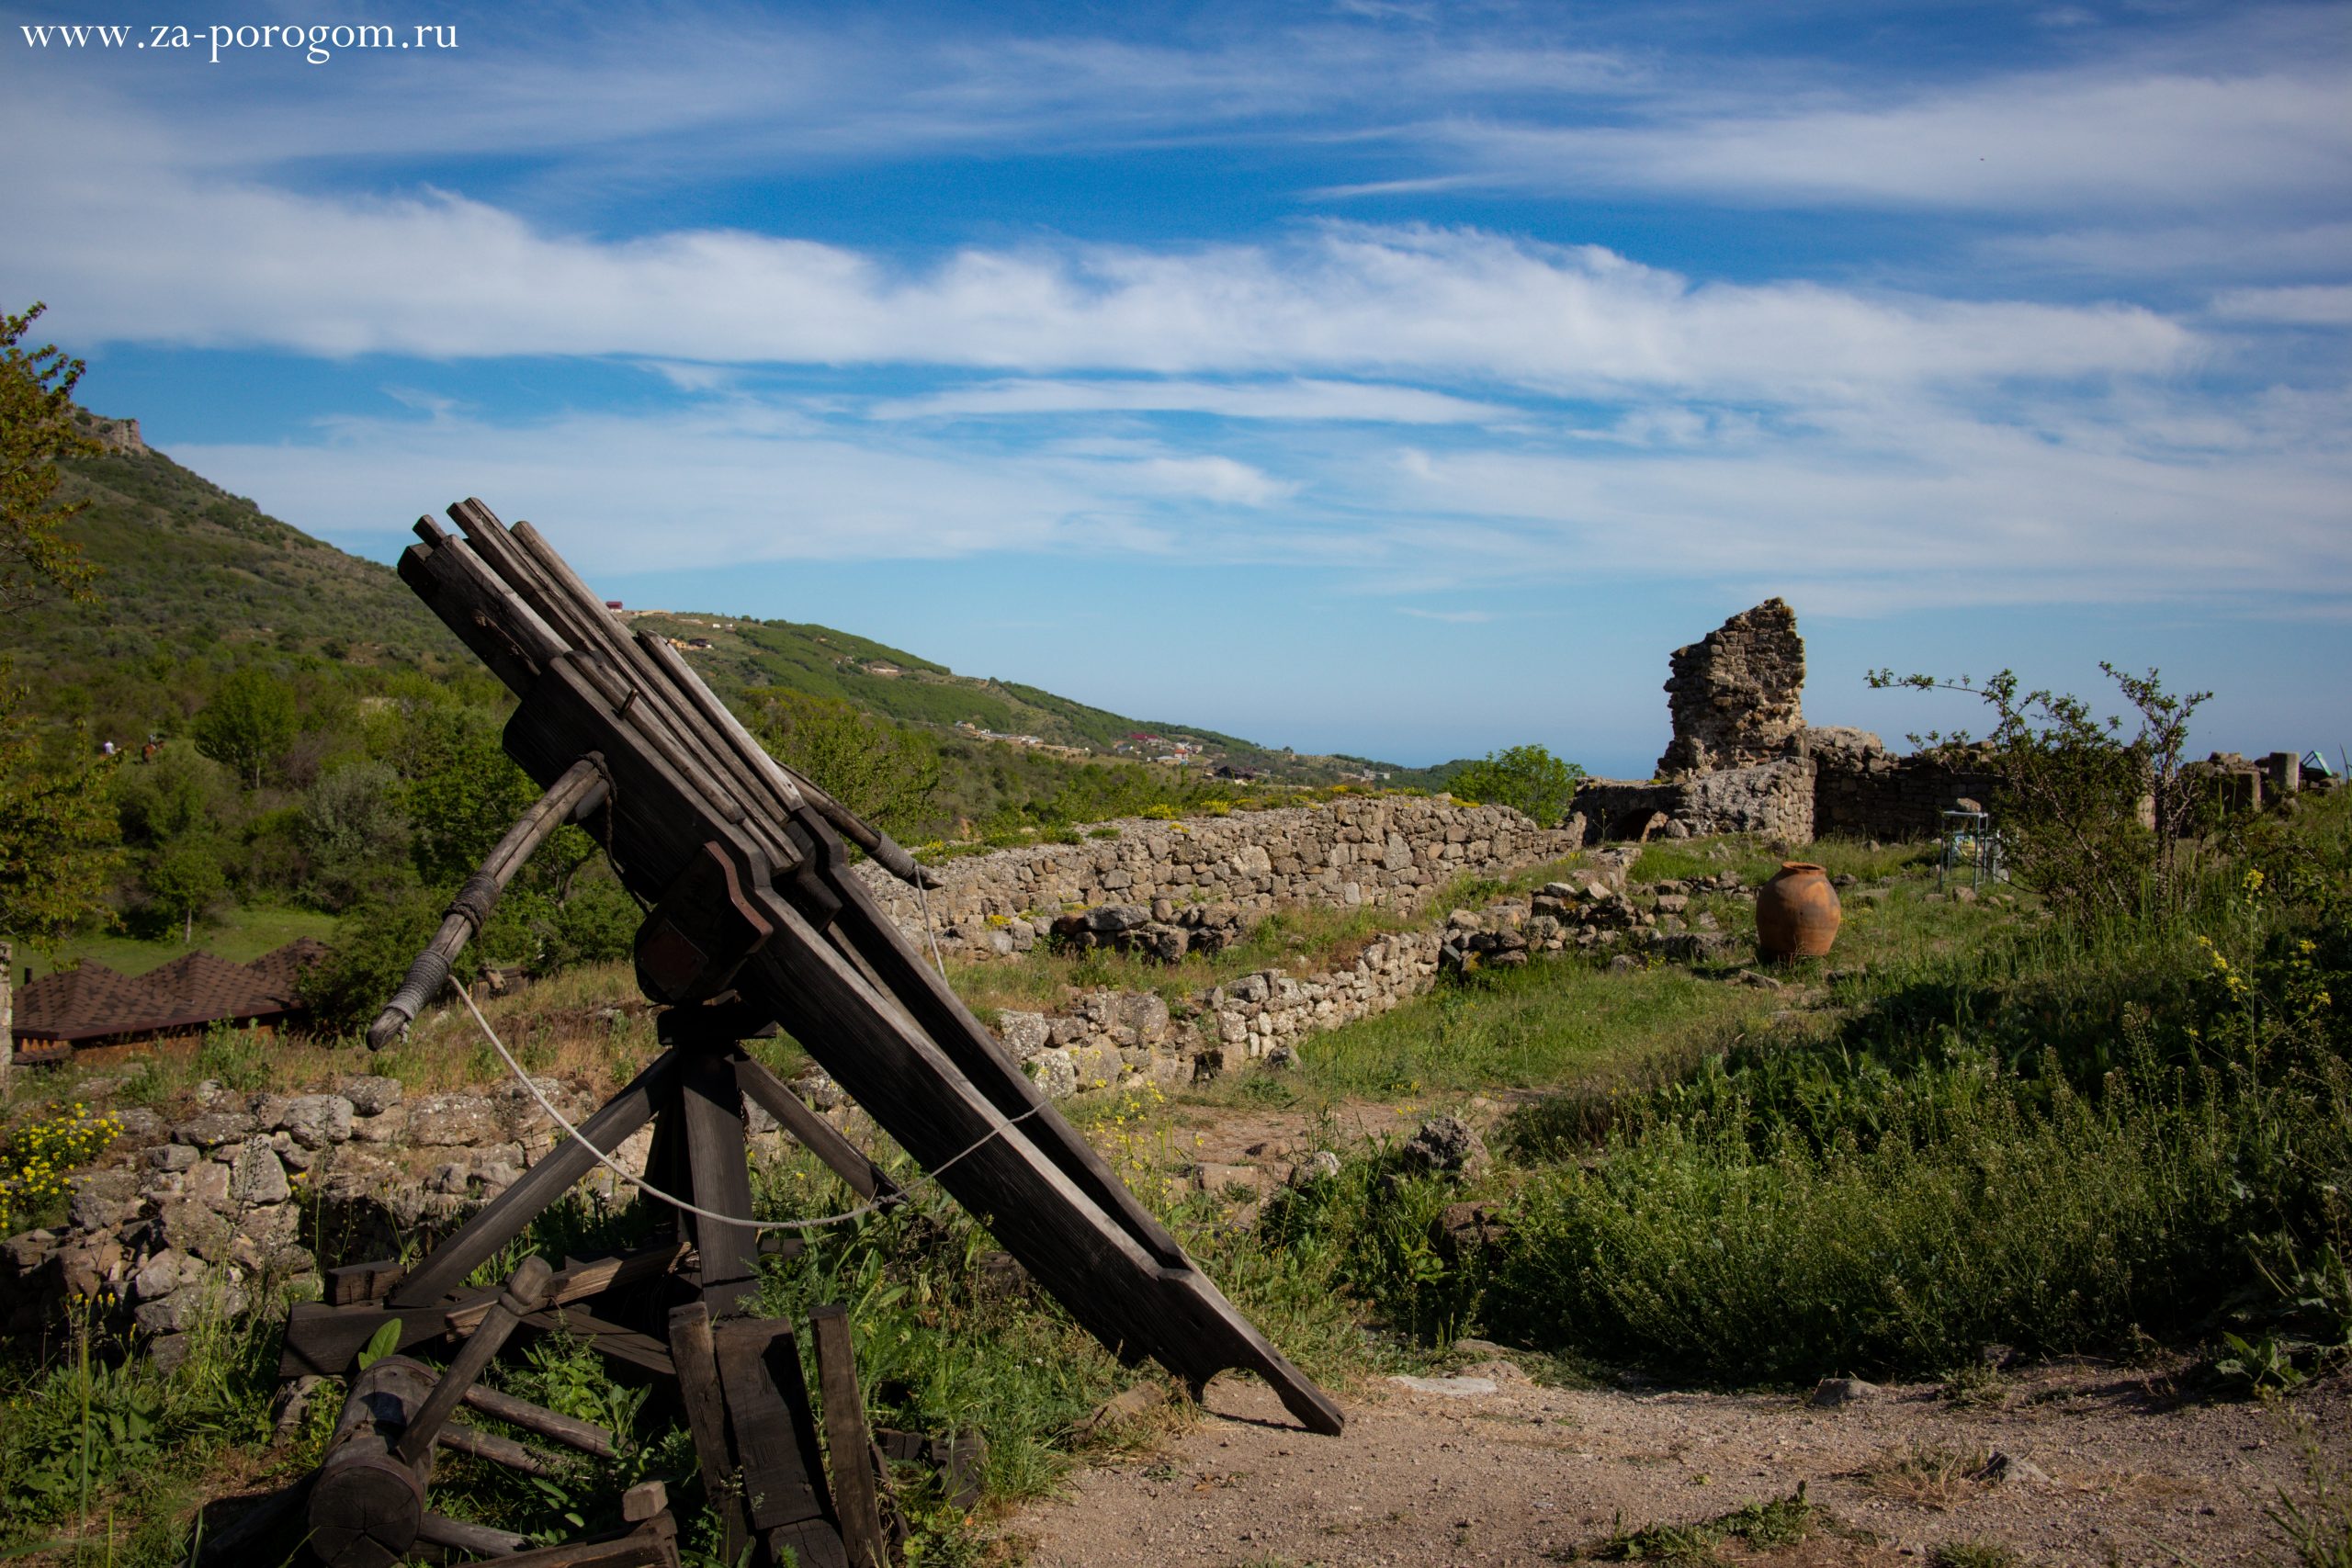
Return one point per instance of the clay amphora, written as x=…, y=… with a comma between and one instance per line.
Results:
x=1796, y=913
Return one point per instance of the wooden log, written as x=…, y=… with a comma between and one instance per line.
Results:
x=775, y=1437
x=815, y=1134
x=464, y=1535
x=697, y=1360
x=460, y=1438
x=367, y=1502
x=579, y=792
x=713, y=1110
x=504, y=1217
x=537, y=1419
x=525, y=1289
x=855, y=1501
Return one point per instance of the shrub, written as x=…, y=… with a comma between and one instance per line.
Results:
x=1528, y=779
x=2073, y=789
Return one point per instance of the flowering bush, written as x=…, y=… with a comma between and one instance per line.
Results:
x=42, y=1152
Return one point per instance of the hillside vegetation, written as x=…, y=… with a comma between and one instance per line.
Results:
x=296, y=731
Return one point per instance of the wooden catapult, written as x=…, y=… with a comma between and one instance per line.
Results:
x=754, y=921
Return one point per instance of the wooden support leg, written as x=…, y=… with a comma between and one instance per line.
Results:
x=815, y=1134
x=712, y=1110
x=775, y=1438
x=523, y=1291
x=697, y=1363
x=504, y=1217
x=847, y=1440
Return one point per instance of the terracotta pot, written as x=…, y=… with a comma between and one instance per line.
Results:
x=1796, y=913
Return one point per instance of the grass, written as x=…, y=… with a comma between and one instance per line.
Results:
x=1298, y=940
x=1771, y=1524
x=240, y=935
x=1969, y=1127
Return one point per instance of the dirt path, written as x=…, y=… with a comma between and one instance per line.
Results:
x=1530, y=1475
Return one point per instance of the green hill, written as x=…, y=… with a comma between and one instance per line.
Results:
x=196, y=580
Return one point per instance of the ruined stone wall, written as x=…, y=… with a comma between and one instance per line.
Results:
x=1775, y=799
x=1736, y=696
x=1862, y=791
x=1390, y=851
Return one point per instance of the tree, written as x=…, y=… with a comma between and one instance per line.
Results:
x=1526, y=778
x=882, y=772
x=2089, y=818
x=58, y=835
x=184, y=880
x=248, y=723
x=36, y=429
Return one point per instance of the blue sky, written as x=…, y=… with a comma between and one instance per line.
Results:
x=1397, y=379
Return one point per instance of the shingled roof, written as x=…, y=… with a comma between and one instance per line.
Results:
x=92, y=1002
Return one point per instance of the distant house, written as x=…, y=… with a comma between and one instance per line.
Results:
x=92, y=1005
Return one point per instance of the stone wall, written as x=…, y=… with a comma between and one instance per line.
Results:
x=1386, y=851
x=1862, y=791
x=1108, y=1038
x=1736, y=696
x=1775, y=799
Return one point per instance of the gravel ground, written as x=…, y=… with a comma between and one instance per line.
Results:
x=2118, y=1468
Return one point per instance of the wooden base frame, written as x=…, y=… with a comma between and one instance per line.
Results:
x=675, y=1312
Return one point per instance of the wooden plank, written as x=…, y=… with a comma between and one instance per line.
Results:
x=356, y=1282
x=505, y=1216
x=854, y=1499
x=569, y=1430
x=712, y=1109
x=618, y=1341
x=690, y=1343
x=323, y=1340
x=579, y=1279
x=784, y=1481
x=524, y=1290
x=647, y=1546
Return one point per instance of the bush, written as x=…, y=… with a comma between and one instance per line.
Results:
x=1528, y=779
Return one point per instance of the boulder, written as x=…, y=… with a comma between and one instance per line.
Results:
x=257, y=1176
x=1447, y=1146
x=314, y=1121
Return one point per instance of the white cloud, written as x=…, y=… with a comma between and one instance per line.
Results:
x=142, y=253
x=1294, y=398
x=2314, y=305
x=2063, y=142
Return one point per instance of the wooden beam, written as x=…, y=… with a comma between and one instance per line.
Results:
x=505, y=1216
x=846, y=1438
x=460, y=1438
x=525, y=1289
x=815, y=1134
x=618, y=1341
x=579, y=1279
x=697, y=1359
x=775, y=1440
x=569, y=1430
x=712, y=1107
x=464, y=1535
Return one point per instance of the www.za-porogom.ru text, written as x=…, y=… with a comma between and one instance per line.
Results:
x=314, y=44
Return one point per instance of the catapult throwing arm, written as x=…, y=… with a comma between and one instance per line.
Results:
x=576, y=795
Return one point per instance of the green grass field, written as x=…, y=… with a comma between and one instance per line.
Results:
x=240, y=936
